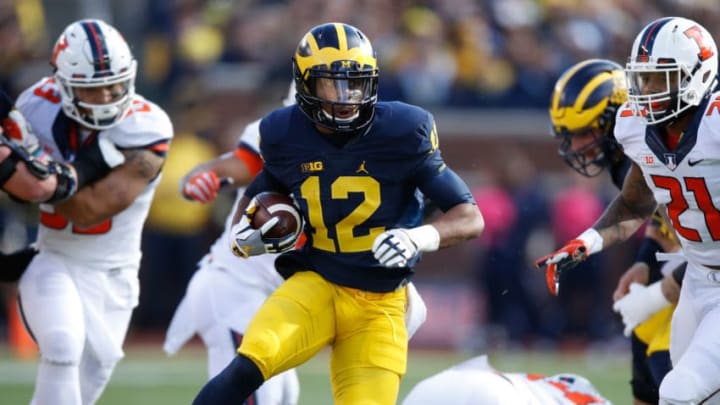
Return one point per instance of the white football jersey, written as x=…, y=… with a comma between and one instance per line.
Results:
x=476, y=382
x=256, y=271
x=115, y=242
x=685, y=179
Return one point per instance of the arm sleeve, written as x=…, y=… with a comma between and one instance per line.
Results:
x=646, y=254
x=264, y=181
x=446, y=189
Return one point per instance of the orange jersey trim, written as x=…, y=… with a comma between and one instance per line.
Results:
x=252, y=160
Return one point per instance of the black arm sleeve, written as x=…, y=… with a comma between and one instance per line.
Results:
x=646, y=254
x=89, y=164
x=679, y=272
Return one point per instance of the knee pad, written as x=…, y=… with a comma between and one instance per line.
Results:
x=682, y=387
x=61, y=347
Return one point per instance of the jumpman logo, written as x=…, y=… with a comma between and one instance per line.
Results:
x=362, y=168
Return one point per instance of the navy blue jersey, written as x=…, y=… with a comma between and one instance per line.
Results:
x=351, y=194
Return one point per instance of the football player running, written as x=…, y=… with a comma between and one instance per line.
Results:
x=353, y=164
x=583, y=106
x=225, y=292
x=78, y=293
x=475, y=381
x=670, y=130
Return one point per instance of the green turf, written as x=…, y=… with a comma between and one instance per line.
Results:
x=147, y=377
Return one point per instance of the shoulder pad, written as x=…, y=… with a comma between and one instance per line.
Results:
x=145, y=124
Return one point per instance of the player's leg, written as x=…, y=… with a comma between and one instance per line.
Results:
x=94, y=372
x=51, y=306
x=116, y=293
x=369, y=355
x=651, y=356
x=644, y=390
x=293, y=324
x=696, y=360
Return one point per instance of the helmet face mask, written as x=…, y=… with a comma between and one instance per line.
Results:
x=336, y=77
x=582, y=113
x=91, y=58
x=672, y=68
x=588, y=152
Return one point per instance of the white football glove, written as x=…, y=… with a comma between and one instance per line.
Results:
x=640, y=304
x=396, y=247
x=245, y=241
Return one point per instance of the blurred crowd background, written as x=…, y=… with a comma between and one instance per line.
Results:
x=485, y=68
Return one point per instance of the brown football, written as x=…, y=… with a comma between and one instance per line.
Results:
x=272, y=204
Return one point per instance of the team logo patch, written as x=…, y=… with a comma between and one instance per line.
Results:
x=670, y=160
x=310, y=167
x=362, y=169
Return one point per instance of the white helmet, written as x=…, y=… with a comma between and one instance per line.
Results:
x=685, y=54
x=91, y=53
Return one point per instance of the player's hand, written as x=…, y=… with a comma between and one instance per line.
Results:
x=637, y=273
x=202, y=186
x=565, y=258
x=16, y=127
x=394, y=248
x=245, y=241
x=639, y=304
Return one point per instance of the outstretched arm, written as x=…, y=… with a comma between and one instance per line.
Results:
x=628, y=211
x=204, y=181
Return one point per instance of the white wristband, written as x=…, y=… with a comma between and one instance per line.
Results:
x=592, y=239
x=426, y=238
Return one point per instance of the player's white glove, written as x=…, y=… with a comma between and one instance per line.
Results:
x=202, y=186
x=245, y=241
x=396, y=247
x=639, y=304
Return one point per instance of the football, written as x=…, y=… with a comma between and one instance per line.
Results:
x=271, y=204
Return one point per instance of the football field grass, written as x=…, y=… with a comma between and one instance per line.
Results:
x=147, y=377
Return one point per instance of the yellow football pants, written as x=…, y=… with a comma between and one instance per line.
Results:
x=366, y=330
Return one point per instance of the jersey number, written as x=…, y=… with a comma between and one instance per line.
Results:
x=678, y=204
x=59, y=222
x=345, y=239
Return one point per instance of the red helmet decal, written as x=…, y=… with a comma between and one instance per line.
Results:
x=59, y=46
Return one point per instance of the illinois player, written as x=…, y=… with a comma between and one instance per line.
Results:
x=78, y=293
x=582, y=110
x=27, y=174
x=475, y=381
x=670, y=131
x=347, y=286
